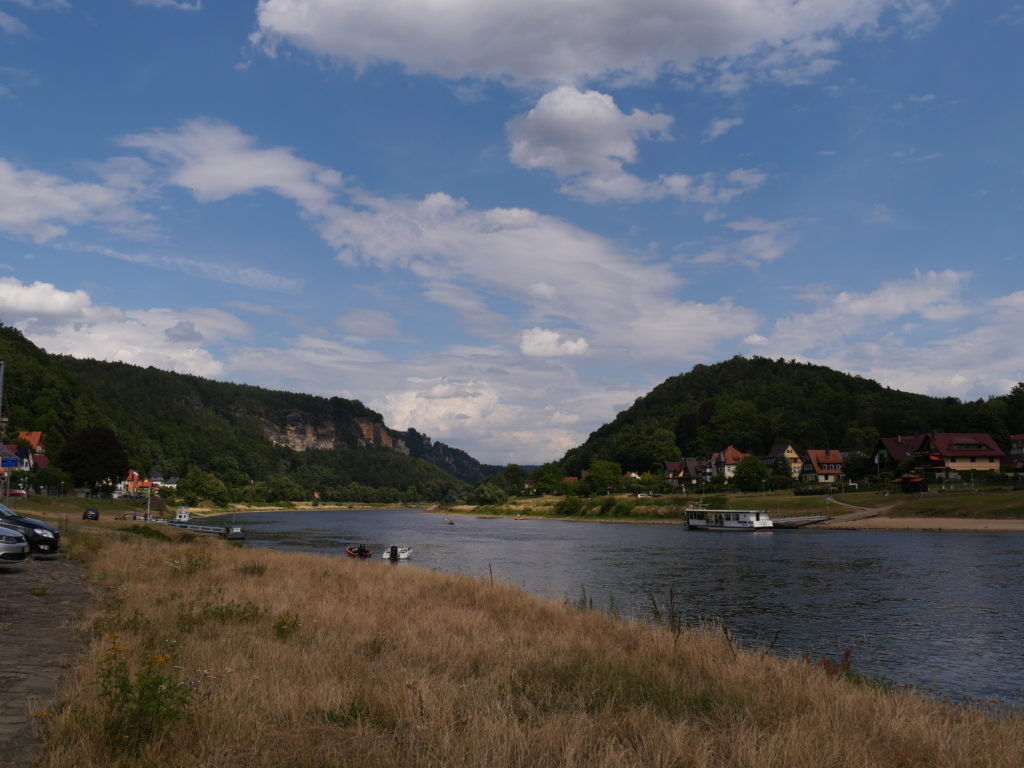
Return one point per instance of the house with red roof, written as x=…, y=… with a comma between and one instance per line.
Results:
x=725, y=463
x=35, y=441
x=953, y=454
x=822, y=466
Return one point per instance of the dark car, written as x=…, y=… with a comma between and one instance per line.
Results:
x=91, y=514
x=43, y=539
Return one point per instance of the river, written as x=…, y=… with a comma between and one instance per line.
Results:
x=940, y=611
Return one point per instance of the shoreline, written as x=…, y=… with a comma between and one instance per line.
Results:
x=919, y=524
x=878, y=522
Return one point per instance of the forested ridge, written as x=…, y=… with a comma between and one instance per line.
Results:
x=177, y=424
x=754, y=403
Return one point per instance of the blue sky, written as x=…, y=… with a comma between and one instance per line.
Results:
x=500, y=223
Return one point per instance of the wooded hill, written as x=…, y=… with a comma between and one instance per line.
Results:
x=754, y=403
x=174, y=424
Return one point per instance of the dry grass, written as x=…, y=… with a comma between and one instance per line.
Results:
x=300, y=660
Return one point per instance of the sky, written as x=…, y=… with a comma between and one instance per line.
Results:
x=502, y=222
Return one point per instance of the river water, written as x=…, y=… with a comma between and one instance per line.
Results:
x=940, y=611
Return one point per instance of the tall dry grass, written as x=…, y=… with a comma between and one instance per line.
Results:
x=301, y=660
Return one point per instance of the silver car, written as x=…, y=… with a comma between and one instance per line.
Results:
x=14, y=548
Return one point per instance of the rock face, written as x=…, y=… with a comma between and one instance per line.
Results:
x=307, y=432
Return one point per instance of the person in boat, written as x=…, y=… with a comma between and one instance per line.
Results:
x=361, y=549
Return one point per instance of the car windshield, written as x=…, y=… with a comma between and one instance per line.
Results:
x=7, y=512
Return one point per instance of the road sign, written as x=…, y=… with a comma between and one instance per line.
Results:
x=9, y=463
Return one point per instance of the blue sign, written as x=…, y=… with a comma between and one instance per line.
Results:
x=9, y=463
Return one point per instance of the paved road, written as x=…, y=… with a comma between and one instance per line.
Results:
x=39, y=641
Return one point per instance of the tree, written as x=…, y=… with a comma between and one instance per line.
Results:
x=751, y=474
x=488, y=494
x=857, y=465
x=663, y=447
x=603, y=476
x=93, y=456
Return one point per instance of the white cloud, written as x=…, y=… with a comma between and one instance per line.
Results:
x=39, y=301
x=214, y=161
x=11, y=25
x=770, y=240
x=721, y=126
x=541, y=342
x=67, y=322
x=570, y=41
x=230, y=274
x=585, y=139
x=466, y=257
x=42, y=206
x=572, y=132
x=849, y=318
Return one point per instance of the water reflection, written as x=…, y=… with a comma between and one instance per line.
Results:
x=941, y=611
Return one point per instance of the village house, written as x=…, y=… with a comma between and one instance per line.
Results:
x=822, y=466
x=725, y=463
x=890, y=451
x=787, y=453
x=35, y=441
x=688, y=472
x=955, y=454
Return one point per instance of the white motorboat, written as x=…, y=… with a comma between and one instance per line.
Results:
x=728, y=519
x=394, y=552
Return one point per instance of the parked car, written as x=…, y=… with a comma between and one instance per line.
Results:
x=91, y=514
x=14, y=548
x=43, y=539
x=17, y=493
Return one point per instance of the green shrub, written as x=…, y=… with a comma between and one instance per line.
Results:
x=142, y=706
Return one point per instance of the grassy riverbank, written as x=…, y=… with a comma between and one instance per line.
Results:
x=671, y=508
x=208, y=654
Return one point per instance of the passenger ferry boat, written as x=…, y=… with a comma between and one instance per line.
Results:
x=728, y=519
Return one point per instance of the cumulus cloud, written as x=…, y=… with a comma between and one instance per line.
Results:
x=585, y=139
x=39, y=302
x=67, y=322
x=183, y=330
x=42, y=206
x=569, y=41
x=541, y=342
x=573, y=132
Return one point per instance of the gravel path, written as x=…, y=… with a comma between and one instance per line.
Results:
x=39, y=641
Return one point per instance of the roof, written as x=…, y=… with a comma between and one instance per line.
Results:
x=827, y=456
x=778, y=451
x=731, y=455
x=963, y=444
x=32, y=438
x=903, y=447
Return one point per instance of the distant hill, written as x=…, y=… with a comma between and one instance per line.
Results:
x=171, y=423
x=754, y=403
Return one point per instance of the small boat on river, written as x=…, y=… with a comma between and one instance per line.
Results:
x=360, y=551
x=394, y=552
x=750, y=520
